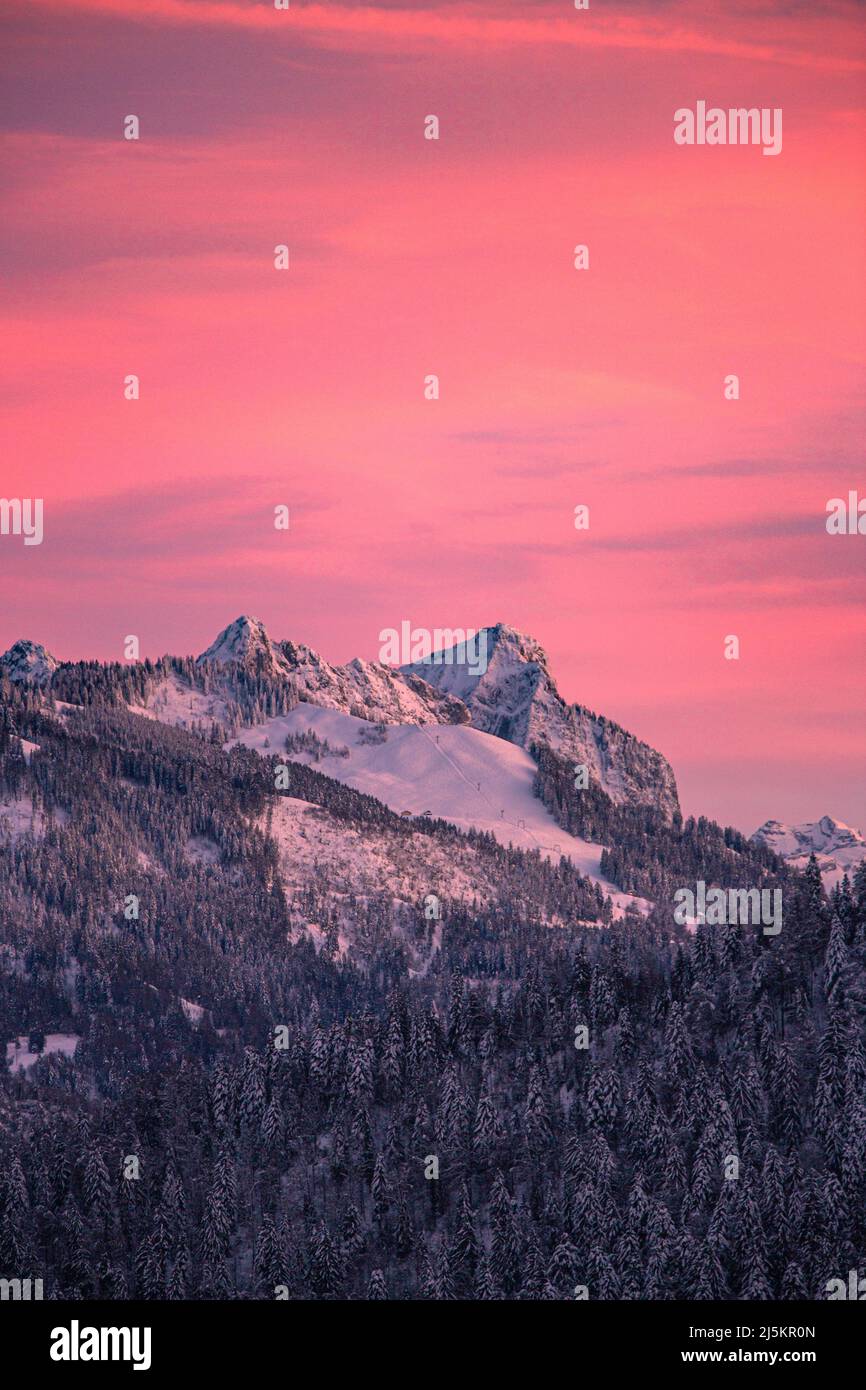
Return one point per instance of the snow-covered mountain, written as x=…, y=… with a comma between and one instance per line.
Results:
x=28, y=662
x=838, y=848
x=516, y=698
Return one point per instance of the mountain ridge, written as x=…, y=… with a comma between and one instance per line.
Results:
x=515, y=698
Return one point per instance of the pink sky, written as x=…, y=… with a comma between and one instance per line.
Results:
x=454, y=257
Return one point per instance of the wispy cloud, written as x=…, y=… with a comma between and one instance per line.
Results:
x=677, y=30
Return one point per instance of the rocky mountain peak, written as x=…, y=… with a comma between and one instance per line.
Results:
x=504, y=679
x=28, y=661
x=246, y=643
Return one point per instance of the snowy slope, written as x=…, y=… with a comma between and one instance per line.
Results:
x=318, y=846
x=174, y=701
x=457, y=773
x=839, y=848
x=350, y=865
x=20, y=1058
x=17, y=817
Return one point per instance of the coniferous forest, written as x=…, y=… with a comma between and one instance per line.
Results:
x=518, y=1098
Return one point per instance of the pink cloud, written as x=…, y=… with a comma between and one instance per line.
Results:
x=673, y=29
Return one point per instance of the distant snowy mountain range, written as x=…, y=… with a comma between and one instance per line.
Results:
x=516, y=699
x=838, y=848
x=448, y=753
x=432, y=738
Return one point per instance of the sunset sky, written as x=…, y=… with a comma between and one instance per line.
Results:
x=409, y=257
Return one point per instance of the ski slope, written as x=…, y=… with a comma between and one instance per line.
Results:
x=464, y=776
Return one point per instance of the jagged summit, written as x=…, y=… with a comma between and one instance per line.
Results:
x=838, y=848
x=28, y=662
x=246, y=643
x=519, y=644
x=368, y=689
x=504, y=679
x=458, y=668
